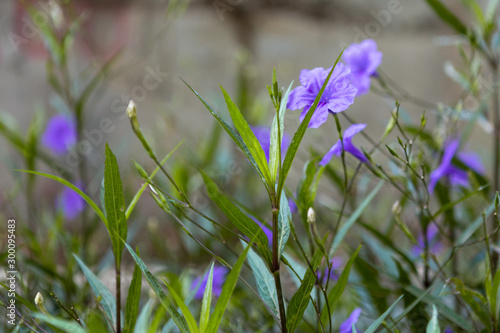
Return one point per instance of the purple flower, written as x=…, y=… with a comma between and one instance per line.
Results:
x=70, y=202
x=293, y=206
x=346, y=326
x=217, y=282
x=455, y=175
x=448, y=330
x=435, y=246
x=336, y=264
x=348, y=145
x=263, y=134
x=60, y=134
x=363, y=60
x=338, y=95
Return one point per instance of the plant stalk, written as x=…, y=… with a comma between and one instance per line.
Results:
x=276, y=267
x=496, y=147
x=118, y=299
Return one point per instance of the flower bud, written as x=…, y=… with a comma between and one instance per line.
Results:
x=311, y=215
x=396, y=208
x=39, y=299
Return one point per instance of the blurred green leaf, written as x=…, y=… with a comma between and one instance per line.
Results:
x=265, y=282
x=433, y=326
x=284, y=221
x=447, y=16
x=155, y=284
x=115, y=204
x=142, y=323
x=476, y=301
x=133, y=298
x=381, y=319
x=300, y=300
x=193, y=327
x=103, y=295
x=63, y=324
x=245, y=224
x=227, y=291
x=207, y=301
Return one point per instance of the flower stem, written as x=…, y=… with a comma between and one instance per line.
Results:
x=496, y=146
x=276, y=265
x=118, y=299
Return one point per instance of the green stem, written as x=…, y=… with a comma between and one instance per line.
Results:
x=276, y=266
x=118, y=299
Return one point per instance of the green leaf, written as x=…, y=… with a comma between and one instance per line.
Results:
x=245, y=224
x=297, y=138
x=63, y=324
x=447, y=16
x=193, y=327
x=338, y=289
x=284, y=221
x=142, y=323
x=380, y=319
x=265, y=282
x=133, y=298
x=207, y=300
x=300, y=299
x=91, y=203
x=227, y=290
x=155, y=284
x=493, y=295
x=115, y=204
x=353, y=218
x=476, y=301
x=275, y=149
x=433, y=326
x=249, y=139
x=234, y=136
x=103, y=295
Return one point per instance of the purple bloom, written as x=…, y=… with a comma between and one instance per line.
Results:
x=348, y=145
x=363, y=60
x=71, y=203
x=336, y=264
x=346, y=326
x=60, y=134
x=263, y=134
x=455, y=175
x=293, y=206
x=448, y=330
x=338, y=95
x=435, y=246
x=217, y=283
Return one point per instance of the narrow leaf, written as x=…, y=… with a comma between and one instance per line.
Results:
x=133, y=298
x=380, y=319
x=63, y=324
x=193, y=327
x=433, y=326
x=207, y=300
x=284, y=220
x=142, y=323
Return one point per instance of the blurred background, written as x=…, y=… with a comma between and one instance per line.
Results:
x=152, y=44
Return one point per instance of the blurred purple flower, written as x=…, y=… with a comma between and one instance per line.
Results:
x=348, y=145
x=435, y=246
x=346, y=326
x=336, y=262
x=293, y=206
x=266, y=230
x=217, y=283
x=263, y=134
x=338, y=95
x=70, y=202
x=60, y=134
x=455, y=175
x=362, y=59
x=448, y=330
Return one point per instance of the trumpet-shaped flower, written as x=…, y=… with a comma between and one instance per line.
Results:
x=217, y=282
x=362, y=59
x=338, y=95
x=348, y=145
x=455, y=175
x=60, y=134
x=346, y=326
x=71, y=203
x=263, y=134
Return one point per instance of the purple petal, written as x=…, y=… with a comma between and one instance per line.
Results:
x=313, y=79
x=299, y=98
x=335, y=150
x=71, y=203
x=266, y=230
x=60, y=134
x=346, y=326
x=458, y=177
x=473, y=161
x=319, y=116
x=451, y=147
x=353, y=130
x=362, y=83
x=293, y=206
x=350, y=148
x=363, y=59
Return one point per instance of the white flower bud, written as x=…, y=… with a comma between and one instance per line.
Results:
x=39, y=299
x=396, y=208
x=131, y=110
x=311, y=215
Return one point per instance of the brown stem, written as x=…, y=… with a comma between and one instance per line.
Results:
x=118, y=300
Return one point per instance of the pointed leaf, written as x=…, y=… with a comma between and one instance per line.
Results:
x=207, y=300
x=133, y=298
x=433, y=326
x=284, y=221
x=63, y=324
x=193, y=327
x=379, y=321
